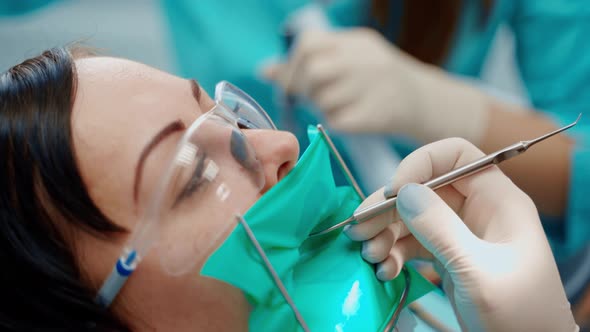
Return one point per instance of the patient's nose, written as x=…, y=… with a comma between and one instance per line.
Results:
x=277, y=152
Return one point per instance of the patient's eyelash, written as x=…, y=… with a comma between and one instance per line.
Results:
x=242, y=123
x=194, y=182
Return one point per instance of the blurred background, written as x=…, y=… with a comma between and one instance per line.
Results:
x=137, y=29
x=133, y=29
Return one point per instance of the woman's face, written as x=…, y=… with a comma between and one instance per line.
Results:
x=126, y=123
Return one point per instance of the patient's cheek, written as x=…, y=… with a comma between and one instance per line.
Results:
x=164, y=301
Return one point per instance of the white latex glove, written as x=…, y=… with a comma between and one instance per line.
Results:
x=365, y=84
x=484, y=236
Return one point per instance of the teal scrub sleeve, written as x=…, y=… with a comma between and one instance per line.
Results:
x=553, y=55
x=19, y=7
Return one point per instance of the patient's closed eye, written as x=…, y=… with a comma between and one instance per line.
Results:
x=195, y=181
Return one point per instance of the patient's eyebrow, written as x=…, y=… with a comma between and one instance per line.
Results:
x=163, y=133
x=196, y=90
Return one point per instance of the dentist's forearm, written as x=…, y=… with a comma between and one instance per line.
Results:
x=543, y=171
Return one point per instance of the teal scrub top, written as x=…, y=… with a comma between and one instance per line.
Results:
x=10, y=7
x=232, y=39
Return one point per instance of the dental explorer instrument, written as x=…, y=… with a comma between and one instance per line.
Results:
x=450, y=177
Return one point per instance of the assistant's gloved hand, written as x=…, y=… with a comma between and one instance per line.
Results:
x=484, y=236
x=364, y=84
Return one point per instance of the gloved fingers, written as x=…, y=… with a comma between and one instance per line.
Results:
x=441, y=157
x=448, y=287
x=445, y=278
x=390, y=243
x=391, y=220
x=387, y=269
x=403, y=251
x=321, y=72
x=367, y=38
x=311, y=42
x=350, y=119
x=436, y=226
x=430, y=161
x=289, y=74
x=452, y=197
x=367, y=230
x=272, y=70
x=407, y=249
x=334, y=95
x=318, y=73
x=283, y=74
x=376, y=249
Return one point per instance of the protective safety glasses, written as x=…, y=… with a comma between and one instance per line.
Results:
x=213, y=176
x=208, y=183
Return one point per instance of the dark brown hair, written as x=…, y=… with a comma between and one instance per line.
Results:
x=41, y=285
x=427, y=27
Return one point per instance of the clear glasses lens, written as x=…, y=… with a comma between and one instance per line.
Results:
x=214, y=175
x=249, y=114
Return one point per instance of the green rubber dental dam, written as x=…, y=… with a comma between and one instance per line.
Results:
x=331, y=285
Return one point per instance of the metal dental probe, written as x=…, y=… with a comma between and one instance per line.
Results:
x=450, y=177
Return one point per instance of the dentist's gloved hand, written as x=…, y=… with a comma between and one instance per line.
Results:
x=484, y=236
x=365, y=84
